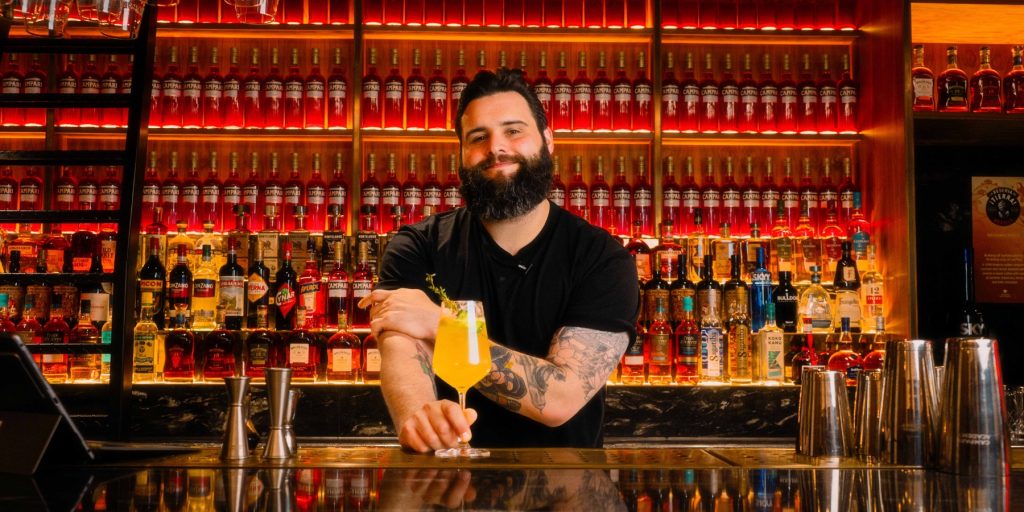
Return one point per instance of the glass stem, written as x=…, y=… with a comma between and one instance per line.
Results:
x=462, y=405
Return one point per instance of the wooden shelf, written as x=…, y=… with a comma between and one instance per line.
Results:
x=56, y=278
x=242, y=31
x=758, y=139
x=56, y=100
x=79, y=45
x=69, y=157
x=968, y=129
x=1000, y=22
x=54, y=216
x=508, y=34
x=222, y=134
x=448, y=137
x=69, y=348
x=760, y=37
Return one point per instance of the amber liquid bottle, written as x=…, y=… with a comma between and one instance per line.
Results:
x=952, y=85
x=986, y=85
x=344, y=353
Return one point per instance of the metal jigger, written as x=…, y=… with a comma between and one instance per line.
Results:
x=278, y=382
x=293, y=400
x=236, y=446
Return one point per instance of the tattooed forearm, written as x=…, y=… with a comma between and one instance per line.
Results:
x=424, y=357
x=591, y=354
x=503, y=385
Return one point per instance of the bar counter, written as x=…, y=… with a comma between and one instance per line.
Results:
x=638, y=477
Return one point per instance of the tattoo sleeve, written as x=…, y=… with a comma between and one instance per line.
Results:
x=576, y=367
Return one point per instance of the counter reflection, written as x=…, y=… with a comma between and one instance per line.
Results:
x=590, y=490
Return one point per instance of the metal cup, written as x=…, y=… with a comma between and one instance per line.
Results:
x=293, y=401
x=909, y=403
x=236, y=446
x=278, y=383
x=831, y=434
x=866, y=415
x=804, y=417
x=974, y=438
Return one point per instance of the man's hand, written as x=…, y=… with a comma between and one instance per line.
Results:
x=405, y=310
x=438, y=424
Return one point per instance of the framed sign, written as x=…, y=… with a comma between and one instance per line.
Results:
x=998, y=238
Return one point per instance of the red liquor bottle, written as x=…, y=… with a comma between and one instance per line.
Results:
x=561, y=98
x=65, y=193
x=450, y=192
x=986, y=85
x=622, y=195
x=213, y=93
x=789, y=195
x=460, y=81
x=373, y=12
x=859, y=229
x=369, y=198
x=809, y=194
x=600, y=198
x=35, y=80
x=30, y=191
x=362, y=285
x=55, y=366
x=314, y=95
x=732, y=200
x=67, y=83
x=641, y=253
x=273, y=189
x=556, y=194
x=110, y=191
x=233, y=115
x=768, y=109
x=414, y=13
x=251, y=190
x=292, y=12
x=660, y=341
x=437, y=96
x=125, y=87
x=171, y=87
x=412, y=194
x=750, y=197
x=286, y=287
x=109, y=84
x=372, y=111
x=337, y=189
x=337, y=96
x=643, y=199
x=339, y=289
x=846, y=190
x=513, y=13
x=151, y=188
x=689, y=198
x=669, y=97
x=272, y=94
x=1013, y=83
x=8, y=194
x=294, y=92
x=179, y=350
x=344, y=353
x=828, y=192
x=415, y=93
x=622, y=98
x=371, y=375
x=316, y=198
x=730, y=91
x=582, y=99
x=577, y=191
x=848, y=92
x=88, y=194
x=156, y=97
x=231, y=193
x=89, y=83
x=789, y=100
x=710, y=198
x=394, y=89
x=748, y=91
x=390, y=196
x=312, y=294
x=541, y=87
x=191, y=189
x=252, y=107
x=191, y=93
x=643, y=95
x=828, y=93
x=12, y=83
x=293, y=193
x=810, y=103
x=54, y=246
x=671, y=194
x=218, y=348
x=689, y=91
x=710, y=99
x=602, y=96
x=952, y=86
x=211, y=197
x=432, y=191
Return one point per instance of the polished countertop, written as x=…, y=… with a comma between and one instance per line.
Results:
x=639, y=477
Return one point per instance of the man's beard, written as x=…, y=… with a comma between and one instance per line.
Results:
x=502, y=197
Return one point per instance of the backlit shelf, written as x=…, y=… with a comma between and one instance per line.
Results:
x=991, y=22
x=244, y=134
x=759, y=139
x=509, y=34
x=769, y=37
x=241, y=31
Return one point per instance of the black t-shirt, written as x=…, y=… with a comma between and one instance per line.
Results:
x=572, y=274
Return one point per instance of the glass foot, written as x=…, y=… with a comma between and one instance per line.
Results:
x=462, y=452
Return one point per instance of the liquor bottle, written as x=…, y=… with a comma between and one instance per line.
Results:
x=698, y=244
x=145, y=342
x=151, y=188
x=845, y=360
x=452, y=196
x=872, y=286
x=600, y=195
x=641, y=253
x=337, y=189
x=312, y=292
x=97, y=293
x=460, y=81
x=179, y=350
x=601, y=106
x=55, y=331
x=643, y=199
x=655, y=290
x=738, y=337
x=708, y=291
x=272, y=94
x=390, y=196
x=809, y=108
x=415, y=96
x=171, y=109
x=760, y=291
x=680, y=288
x=293, y=193
x=735, y=293
x=12, y=83
x=922, y=81
x=858, y=230
x=273, y=193
x=30, y=191
x=394, y=89
x=690, y=96
x=232, y=289
x=156, y=96
x=848, y=92
x=152, y=281
x=713, y=351
x=816, y=305
x=643, y=94
x=875, y=358
x=180, y=238
x=789, y=100
x=789, y=196
x=669, y=96
x=1013, y=84
x=362, y=285
x=68, y=83
x=218, y=351
x=622, y=97
x=252, y=85
x=666, y=254
x=732, y=204
x=190, y=192
x=828, y=94
x=191, y=92
x=257, y=292
x=170, y=191
x=952, y=86
x=582, y=98
x=561, y=98
x=710, y=98
x=768, y=365
x=687, y=346
x=337, y=95
x=29, y=329
x=14, y=290
x=316, y=198
x=633, y=372
x=286, y=289
x=370, y=194
x=371, y=364
x=806, y=356
x=809, y=196
x=431, y=192
x=621, y=198
x=786, y=300
x=84, y=367
x=711, y=198
x=729, y=90
x=986, y=85
x=109, y=83
x=847, y=285
x=689, y=197
x=233, y=111
x=302, y=351
x=211, y=86
x=344, y=353
x=437, y=96
x=577, y=191
x=660, y=339
x=34, y=81
x=8, y=193
x=258, y=349
x=251, y=192
x=212, y=196
x=179, y=285
x=338, y=288
x=971, y=320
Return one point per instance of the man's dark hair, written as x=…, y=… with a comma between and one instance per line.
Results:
x=486, y=83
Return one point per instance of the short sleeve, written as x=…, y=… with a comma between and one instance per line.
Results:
x=406, y=262
x=606, y=296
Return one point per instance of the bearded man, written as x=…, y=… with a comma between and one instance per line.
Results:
x=560, y=295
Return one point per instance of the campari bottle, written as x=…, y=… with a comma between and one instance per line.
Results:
x=768, y=99
x=729, y=115
x=337, y=189
x=339, y=289
x=710, y=98
x=67, y=83
x=669, y=97
x=293, y=192
x=415, y=96
x=671, y=194
x=110, y=83
x=394, y=90
x=828, y=93
x=577, y=191
x=689, y=96
x=643, y=97
x=344, y=353
x=212, y=197
x=214, y=101
x=556, y=194
x=35, y=81
x=582, y=98
x=460, y=81
x=12, y=83
x=748, y=98
x=171, y=85
x=294, y=95
x=622, y=97
x=234, y=95
x=432, y=189
x=437, y=96
x=450, y=191
x=810, y=102
x=643, y=199
x=412, y=194
x=848, y=88
x=316, y=198
x=272, y=94
x=337, y=96
x=362, y=285
x=89, y=83
x=600, y=198
x=561, y=98
x=252, y=85
x=602, y=97
x=372, y=102
x=191, y=189
x=191, y=92
x=622, y=195
x=390, y=196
